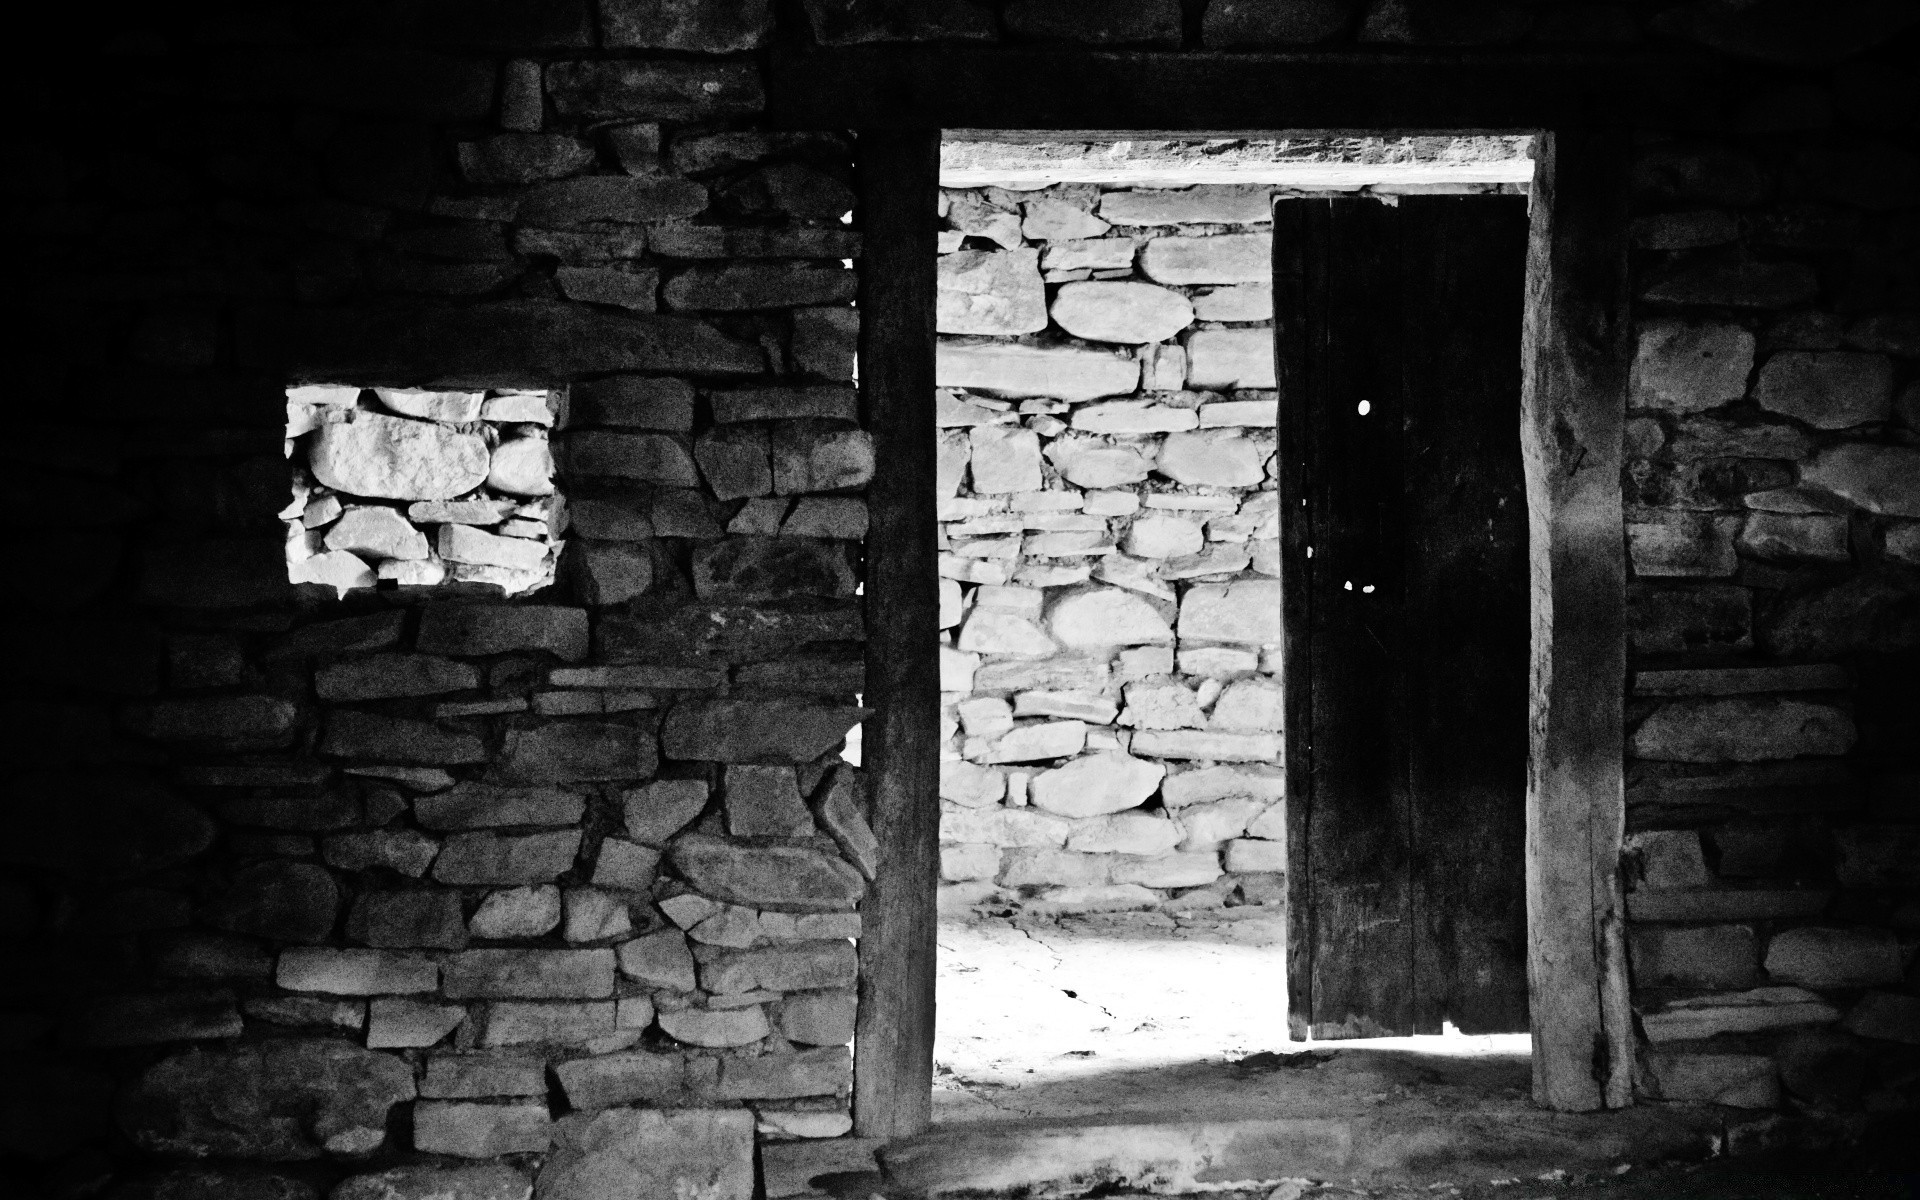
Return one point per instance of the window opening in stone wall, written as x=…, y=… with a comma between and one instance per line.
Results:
x=1113, y=851
x=414, y=488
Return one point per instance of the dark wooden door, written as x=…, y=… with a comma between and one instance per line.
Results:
x=1404, y=576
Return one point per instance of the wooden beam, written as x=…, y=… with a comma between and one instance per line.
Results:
x=893, y=1040
x=1575, y=355
x=935, y=86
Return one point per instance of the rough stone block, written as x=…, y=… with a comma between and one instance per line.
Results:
x=1095, y=784
x=816, y=456
x=656, y=458
x=1246, y=612
x=355, y=972
x=528, y=974
x=1222, y=359
x=1827, y=389
x=491, y=858
x=576, y=751
x=649, y=1152
x=1682, y=544
x=771, y=731
x=1885, y=1016
x=395, y=458
x=1713, y=956
x=822, y=1072
x=397, y=920
x=990, y=292
x=483, y=629
x=283, y=1100
x=841, y=814
x=522, y=912
x=394, y=1023
x=742, y=287
x=1815, y=537
x=382, y=676
x=659, y=90
x=1829, y=957
x=1121, y=311
x=660, y=960
x=635, y=401
x=824, y=964
x=1735, y=1080
x=492, y=1181
x=481, y=1076
x=1877, y=478
x=661, y=809
x=784, y=878
x=613, y=1079
x=1742, y=729
x=1220, y=258
x=716, y=1027
x=1676, y=620
x=519, y=1022
x=1682, y=367
x=1064, y=372
x=467, y=1130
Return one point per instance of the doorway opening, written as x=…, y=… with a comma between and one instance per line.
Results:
x=1122, y=901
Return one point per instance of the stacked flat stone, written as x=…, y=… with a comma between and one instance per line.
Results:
x=417, y=487
x=1109, y=531
x=1772, y=527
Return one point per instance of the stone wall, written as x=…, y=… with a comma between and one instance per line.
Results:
x=469, y=475
x=215, y=201
x=1109, y=533
x=1773, y=493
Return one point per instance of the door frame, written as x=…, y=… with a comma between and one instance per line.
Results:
x=1576, y=347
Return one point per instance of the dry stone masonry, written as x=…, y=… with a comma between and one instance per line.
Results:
x=421, y=487
x=1109, y=531
x=429, y=891
x=1773, y=516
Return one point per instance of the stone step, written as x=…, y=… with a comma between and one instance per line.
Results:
x=1412, y=1144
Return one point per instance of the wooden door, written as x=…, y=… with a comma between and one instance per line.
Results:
x=1404, y=578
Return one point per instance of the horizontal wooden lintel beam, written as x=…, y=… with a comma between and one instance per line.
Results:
x=947, y=86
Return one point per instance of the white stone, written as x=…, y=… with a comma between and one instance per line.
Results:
x=465, y=544
x=1135, y=574
x=1066, y=372
x=1107, y=617
x=1207, y=204
x=459, y=512
x=425, y=572
x=1163, y=368
x=1168, y=871
x=1218, y=662
x=1079, y=706
x=996, y=631
x=519, y=408
x=395, y=458
x=522, y=912
x=1223, y=258
x=1067, y=545
x=1162, y=535
x=522, y=467
x=592, y=915
x=961, y=861
x=1132, y=417
x=1245, y=612
x=1218, y=359
x=1112, y=504
x=1031, y=868
x=1250, y=706
x=341, y=394
x=1004, y=826
x=337, y=569
x=1250, y=854
x=1094, y=463
x=377, y=532
x=1096, y=254
x=971, y=784
x=426, y=405
x=1005, y=458
x=1124, y=833
x=975, y=216
x=1215, y=783
x=1828, y=389
x=1112, y=897
x=1036, y=741
x=1121, y=311
x=1264, y=413
x=1219, y=747
x=1270, y=825
x=1239, y=302
x=1211, y=458
x=950, y=604
x=956, y=669
x=990, y=292
x=1096, y=784
x=320, y=511
x=1055, y=221
x=1210, y=825
x=1161, y=703
x=1737, y=1012
x=984, y=716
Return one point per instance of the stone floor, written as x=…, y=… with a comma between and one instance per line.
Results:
x=1042, y=1018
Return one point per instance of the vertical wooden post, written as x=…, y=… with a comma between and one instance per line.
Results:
x=893, y=1039
x=1575, y=353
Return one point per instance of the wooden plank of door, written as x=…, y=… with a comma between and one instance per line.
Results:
x=1462, y=275
x=1575, y=354
x=1357, y=828
x=893, y=1037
